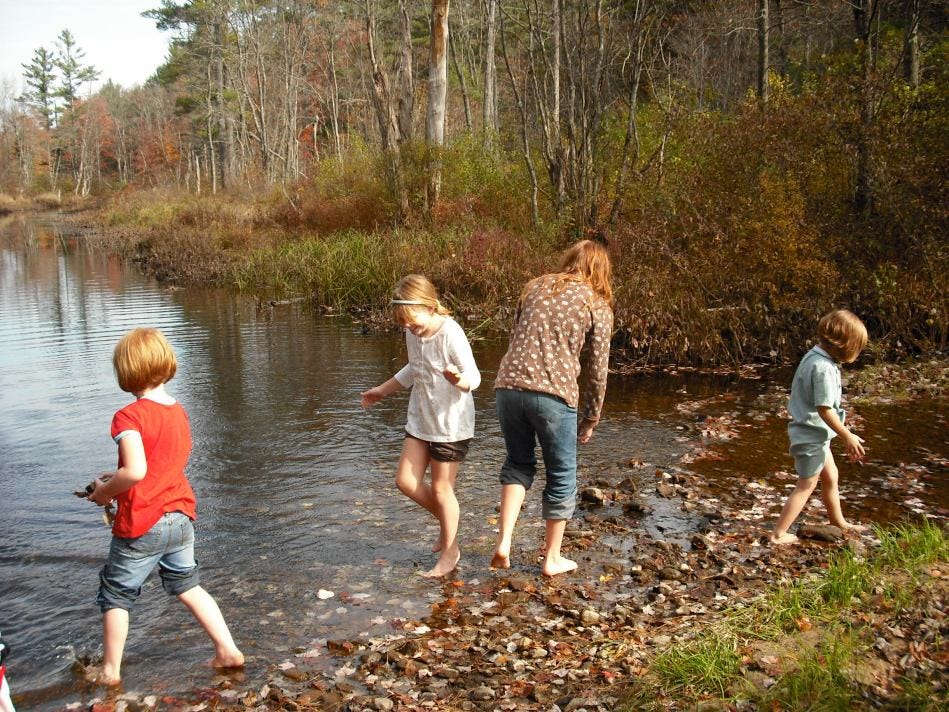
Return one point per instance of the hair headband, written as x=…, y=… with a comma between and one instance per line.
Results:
x=409, y=302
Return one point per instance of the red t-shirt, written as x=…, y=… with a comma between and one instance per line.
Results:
x=166, y=437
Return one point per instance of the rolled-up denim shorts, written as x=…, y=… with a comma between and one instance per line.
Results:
x=526, y=418
x=169, y=543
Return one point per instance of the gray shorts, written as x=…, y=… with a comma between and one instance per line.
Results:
x=809, y=458
x=445, y=452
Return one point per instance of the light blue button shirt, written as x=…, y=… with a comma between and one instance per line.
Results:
x=816, y=383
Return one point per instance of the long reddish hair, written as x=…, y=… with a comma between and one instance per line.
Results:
x=586, y=261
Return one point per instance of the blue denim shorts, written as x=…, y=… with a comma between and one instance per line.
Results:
x=170, y=544
x=528, y=418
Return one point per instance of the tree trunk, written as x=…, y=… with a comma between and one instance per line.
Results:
x=489, y=106
x=763, y=51
x=437, y=92
x=406, y=79
x=911, y=12
x=863, y=11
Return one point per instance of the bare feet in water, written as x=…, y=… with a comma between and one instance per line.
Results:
x=228, y=659
x=557, y=566
x=447, y=563
x=96, y=674
x=786, y=538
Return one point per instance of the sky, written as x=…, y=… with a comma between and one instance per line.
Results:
x=117, y=40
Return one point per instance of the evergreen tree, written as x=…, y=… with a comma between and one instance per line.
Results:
x=40, y=76
x=73, y=72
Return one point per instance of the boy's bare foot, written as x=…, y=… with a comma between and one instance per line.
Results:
x=786, y=538
x=558, y=566
x=437, y=546
x=855, y=528
x=229, y=659
x=501, y=559
x=447, y=563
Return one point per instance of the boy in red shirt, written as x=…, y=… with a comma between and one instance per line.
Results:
x=156, y=505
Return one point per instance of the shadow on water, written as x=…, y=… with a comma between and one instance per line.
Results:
x=302, y=536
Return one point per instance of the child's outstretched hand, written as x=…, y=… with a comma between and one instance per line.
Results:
x=853, y=444
x=370, y=397
x=452, y=374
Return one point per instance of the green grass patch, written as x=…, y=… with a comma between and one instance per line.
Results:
x=719, y=661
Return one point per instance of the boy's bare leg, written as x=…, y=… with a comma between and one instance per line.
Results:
x=512, y=497
x=792, y=509
x=554, y=562
x=115, y=629
x=830, y=494
x=444, y=475
x=206, y=612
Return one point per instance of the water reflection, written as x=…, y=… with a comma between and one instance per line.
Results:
x=294, y=480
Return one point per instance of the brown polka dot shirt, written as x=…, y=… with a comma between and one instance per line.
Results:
x=558, y=325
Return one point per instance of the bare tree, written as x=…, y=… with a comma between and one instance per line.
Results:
x=437, y=93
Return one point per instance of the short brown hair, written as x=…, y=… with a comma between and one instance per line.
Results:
x=143, y=359
x=842, y=335
x=418, y=289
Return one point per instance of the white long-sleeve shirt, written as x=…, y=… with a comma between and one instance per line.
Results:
x=439, y=411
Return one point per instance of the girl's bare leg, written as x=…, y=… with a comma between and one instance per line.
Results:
x=554, y=562
x=410, y=475
x=115, y=629
x=443, y=491
x=206, y=612
x=512, y=497
x=792, y=509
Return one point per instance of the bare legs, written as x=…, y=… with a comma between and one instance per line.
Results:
x=512, y=497
x=438, y=499
x=115, y=628
x=830, y=496
x=206, y=612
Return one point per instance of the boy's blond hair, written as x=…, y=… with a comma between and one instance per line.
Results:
x=143, y=359
x=842, y=335
x=419, y=292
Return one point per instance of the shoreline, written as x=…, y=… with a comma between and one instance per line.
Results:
x=515, y=640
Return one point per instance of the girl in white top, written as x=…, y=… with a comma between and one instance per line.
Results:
x=441, y=373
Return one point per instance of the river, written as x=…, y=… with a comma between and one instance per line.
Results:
x=294, y=479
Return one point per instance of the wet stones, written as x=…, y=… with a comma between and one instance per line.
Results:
x=820, y=532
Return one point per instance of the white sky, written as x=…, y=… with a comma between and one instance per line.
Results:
x=117, y=40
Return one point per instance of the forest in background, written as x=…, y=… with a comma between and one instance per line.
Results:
x=752, y=163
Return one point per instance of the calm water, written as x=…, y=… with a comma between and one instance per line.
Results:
x=294, y=480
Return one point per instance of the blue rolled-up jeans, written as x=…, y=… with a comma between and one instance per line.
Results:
x=169, y=544
x=528, y=418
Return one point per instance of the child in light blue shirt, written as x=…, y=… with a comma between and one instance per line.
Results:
x=817, y=417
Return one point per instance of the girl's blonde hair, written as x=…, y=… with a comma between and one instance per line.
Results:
x=143, y=359
x=417, y=290
x=842, y=335
x=586, y=261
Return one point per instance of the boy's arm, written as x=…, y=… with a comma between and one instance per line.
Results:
x=374, y=395
x=111, y=484
x=853, y=443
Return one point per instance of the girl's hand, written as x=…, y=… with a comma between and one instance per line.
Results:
x=370, y=397
x=452, y=374
x=854, y=447
x=585, y=431
x=97, y=495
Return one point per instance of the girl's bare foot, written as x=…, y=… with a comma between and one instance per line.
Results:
x=228, y=659
x=437, y=546
x=555, y=567
x=97, y=674
x=501, y=559
x=447, y=563
x=786, y=538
